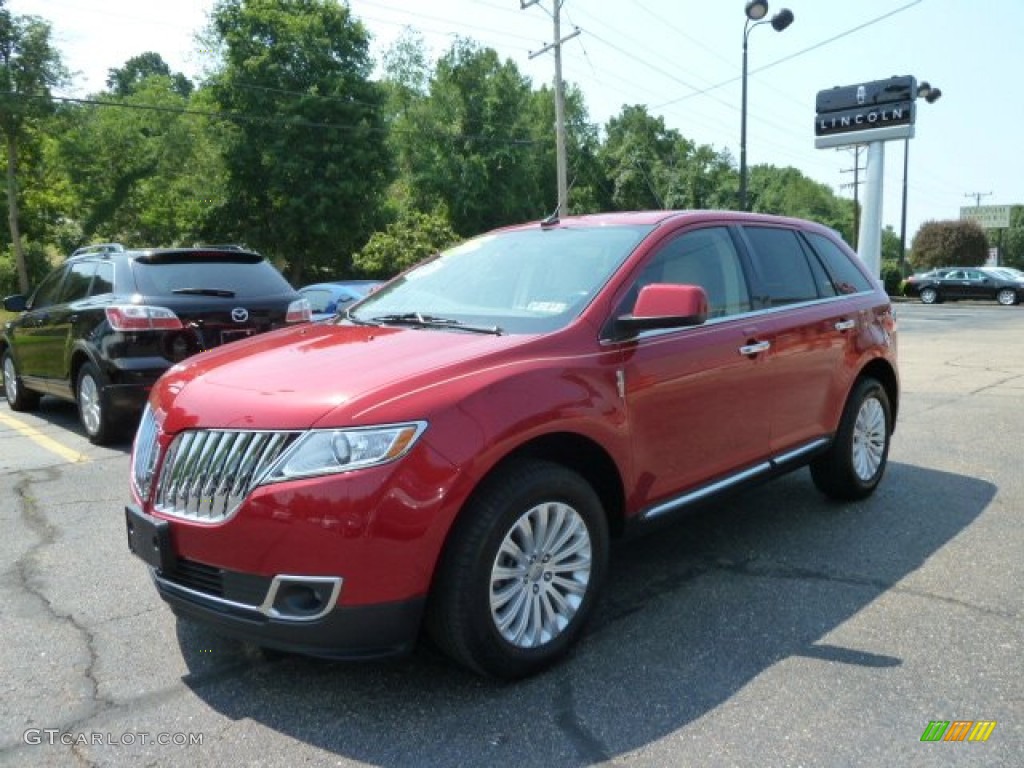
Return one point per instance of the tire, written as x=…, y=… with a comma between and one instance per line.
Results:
x=854, y=464
x=1007, y=297
x=19, y=398
x=929, y=296
x=92, y=409
x=502, y=605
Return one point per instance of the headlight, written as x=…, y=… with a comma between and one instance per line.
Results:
x=326, y=451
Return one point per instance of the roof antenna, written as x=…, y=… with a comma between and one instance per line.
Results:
x=551, y=220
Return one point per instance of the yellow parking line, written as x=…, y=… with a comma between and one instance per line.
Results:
x=40, y=439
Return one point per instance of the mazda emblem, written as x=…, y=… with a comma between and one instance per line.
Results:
x=239, y=314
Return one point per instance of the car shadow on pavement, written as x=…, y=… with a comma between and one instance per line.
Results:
x=689, y=618
x=63, y=414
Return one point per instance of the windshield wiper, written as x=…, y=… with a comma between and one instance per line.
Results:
x=431, y=321
x=206, y=292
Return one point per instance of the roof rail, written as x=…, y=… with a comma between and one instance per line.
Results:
x=222, y=246
x=99, y=248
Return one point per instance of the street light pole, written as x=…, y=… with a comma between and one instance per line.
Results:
x=930, y=95
x=755, y=10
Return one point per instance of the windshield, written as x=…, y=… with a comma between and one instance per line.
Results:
x=525, y=281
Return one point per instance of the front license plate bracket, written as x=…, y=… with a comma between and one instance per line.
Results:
x=149, y=539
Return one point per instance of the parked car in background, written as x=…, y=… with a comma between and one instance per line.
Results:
x=103, y=326
x=956, y=283
x=327, y=299
x=455, y=451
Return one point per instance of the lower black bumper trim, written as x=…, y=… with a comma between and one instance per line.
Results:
x=347, y=632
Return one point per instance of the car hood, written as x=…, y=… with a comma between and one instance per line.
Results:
x=318, y=375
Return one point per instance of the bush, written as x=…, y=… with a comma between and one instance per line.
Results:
x=892, y=277
x=957, y=243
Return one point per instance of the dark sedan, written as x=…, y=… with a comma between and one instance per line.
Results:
x=957, y=283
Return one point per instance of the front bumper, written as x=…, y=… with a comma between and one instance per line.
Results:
x=343, y=632
x=288, y=612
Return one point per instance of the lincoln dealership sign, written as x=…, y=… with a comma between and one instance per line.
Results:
x=858, y=114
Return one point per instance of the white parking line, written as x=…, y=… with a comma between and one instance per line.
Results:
x=33, y=434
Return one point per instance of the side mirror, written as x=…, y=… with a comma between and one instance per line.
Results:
x=16, y=303
x=662, y=305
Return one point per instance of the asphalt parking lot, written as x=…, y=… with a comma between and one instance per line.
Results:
x=775, y=629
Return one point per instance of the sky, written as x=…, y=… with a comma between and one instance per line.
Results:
x=682, y=59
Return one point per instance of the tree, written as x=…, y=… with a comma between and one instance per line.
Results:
x=956, y=243
x=125, y=81
x=647, y=165
x=787, y=192
x=408, y=241
x=306, y=157
x=470, y=143
x=142, y=168
x=29, y=68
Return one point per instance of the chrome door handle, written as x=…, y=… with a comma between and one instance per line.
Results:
x=753, y=349
x=845, y=325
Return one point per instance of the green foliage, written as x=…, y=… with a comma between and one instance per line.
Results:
x=787, y=192
x=892, y=276
x=37, y=263
x=126, y=80
x=145, y=173
x=472, y=143
x=413, y=238
x=29, y=67
x=647, y=165
x=306, y=159
x=956, y=243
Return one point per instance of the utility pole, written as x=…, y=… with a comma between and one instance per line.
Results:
x=977, y=197
x=857, y=168
x=556, y=46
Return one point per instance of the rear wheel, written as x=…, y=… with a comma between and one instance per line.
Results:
x=1007, y=297
x=929, y=296
x=19, y=398
x=855, y=463
x=521, y=571
x=92, y=409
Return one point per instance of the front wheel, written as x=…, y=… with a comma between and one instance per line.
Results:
x=19, y=398
x=92, y=408
x=929, y=296
x=853, y=466
x=521, y=571
x=1007, y=297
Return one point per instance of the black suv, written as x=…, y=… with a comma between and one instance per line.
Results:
x=101, y=328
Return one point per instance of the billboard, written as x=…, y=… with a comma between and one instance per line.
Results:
x=988, y=216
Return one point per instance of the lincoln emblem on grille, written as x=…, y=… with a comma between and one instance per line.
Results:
x=239, y=314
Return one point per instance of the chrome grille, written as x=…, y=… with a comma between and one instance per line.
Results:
x=207, y=473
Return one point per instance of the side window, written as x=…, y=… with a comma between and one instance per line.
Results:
x=46, y=293
x=104, y=280
x=76, y=284
x=782, y=268
x=704, y=257
x=848, y=278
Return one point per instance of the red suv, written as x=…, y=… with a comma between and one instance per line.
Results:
x=458, y=449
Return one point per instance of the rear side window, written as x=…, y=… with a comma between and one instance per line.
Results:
x=240, y=279
x=104, y=280
x=784, y=275
x=847, y=277
x=76, y=284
